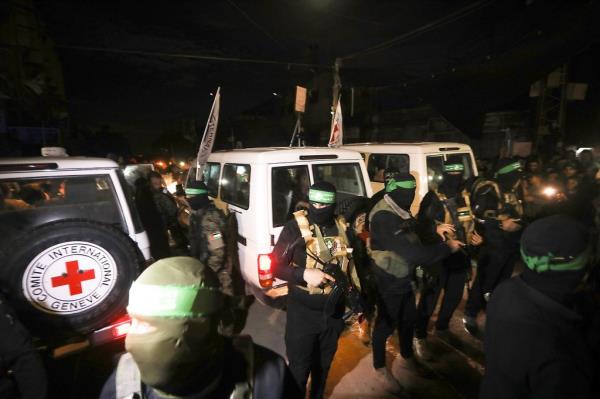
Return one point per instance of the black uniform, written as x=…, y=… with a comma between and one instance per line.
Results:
x=542, y=329
x=311, y=332
x=501, y=250
x=534, y=346
x=451, y=273
x=17, y=355
x=397, y=309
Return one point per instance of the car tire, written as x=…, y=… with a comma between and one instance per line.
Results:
x=69, y=277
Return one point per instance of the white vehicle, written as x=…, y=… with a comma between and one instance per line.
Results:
x=423, y=160
x=71, y=243
x=264, y=186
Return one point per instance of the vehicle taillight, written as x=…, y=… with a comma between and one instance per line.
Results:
x=121, y=329
x=265, y=274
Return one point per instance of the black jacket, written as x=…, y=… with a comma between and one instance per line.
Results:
x=387, y=235
x=17, y=354
x=272, y=378
x=535, y=347
x=289, y=257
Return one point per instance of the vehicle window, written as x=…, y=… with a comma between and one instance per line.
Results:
x=465, y=159
x=38, y=201
x=378, y=163
x=235, y=185
x=346, y=177
x=129, y=198
x=134, y=172
x=289, y=192
x=210, y=177
x=435, y=171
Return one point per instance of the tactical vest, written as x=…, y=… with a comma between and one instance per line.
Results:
x=513, y=202
x=128, y=382
x=461, y=217
x=390, y=261
x=506, y=201
x=334, y=250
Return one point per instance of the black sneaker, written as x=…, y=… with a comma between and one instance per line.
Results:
x=470, y=324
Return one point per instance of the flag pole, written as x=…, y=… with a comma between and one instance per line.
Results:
x=208, y=138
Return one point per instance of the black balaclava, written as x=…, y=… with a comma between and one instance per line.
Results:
x=197, y=194
x=401, y=188
x=453, y=177
x=323, y=193
x=174, y=305
x=508, y=173
x=555, y=250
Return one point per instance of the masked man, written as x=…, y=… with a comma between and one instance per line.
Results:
x=395, y=252
x=502, y=220
x=212, y=240
x=174, y=349
x=445, y=213
x=537, y=339
x=312, y=241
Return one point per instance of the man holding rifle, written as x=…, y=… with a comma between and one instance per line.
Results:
x=445, y=213
x=502, y=220
x=312, y=248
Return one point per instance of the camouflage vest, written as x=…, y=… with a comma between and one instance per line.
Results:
x=461, y=217
x=207, y=229
x=390, y=261
x=334, y=250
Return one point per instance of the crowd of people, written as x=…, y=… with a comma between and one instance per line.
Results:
x=533, y=237
x=522, y=237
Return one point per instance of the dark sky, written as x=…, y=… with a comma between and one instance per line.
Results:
x=146, y=94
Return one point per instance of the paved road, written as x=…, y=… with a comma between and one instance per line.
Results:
x=455, y=372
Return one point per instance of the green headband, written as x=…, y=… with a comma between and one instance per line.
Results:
x=393, y=184
x=540, y=264
x=196, y=191
x=173, y=300
x=509, y=168
x=322, y=197
x=454, y=167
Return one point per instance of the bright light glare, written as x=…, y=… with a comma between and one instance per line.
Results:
x=264, y=263
x=549, y=191
x=182, y=164
x=172, y=187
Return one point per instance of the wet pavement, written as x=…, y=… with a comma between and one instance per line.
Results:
x=455, y=371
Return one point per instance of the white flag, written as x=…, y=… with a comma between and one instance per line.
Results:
x=337, y=130
x=208, y=139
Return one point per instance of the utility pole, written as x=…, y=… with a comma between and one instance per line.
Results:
x=552, y=105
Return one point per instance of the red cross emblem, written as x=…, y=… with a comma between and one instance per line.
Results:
x=73, y=278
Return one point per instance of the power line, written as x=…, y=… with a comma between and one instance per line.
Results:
x=193, y=56
x=256, y=24
x=447, y=19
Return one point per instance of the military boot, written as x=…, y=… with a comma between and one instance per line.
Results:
x=422, y=349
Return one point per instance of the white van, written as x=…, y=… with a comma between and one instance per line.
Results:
x=423, y=160
x=264, y=186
